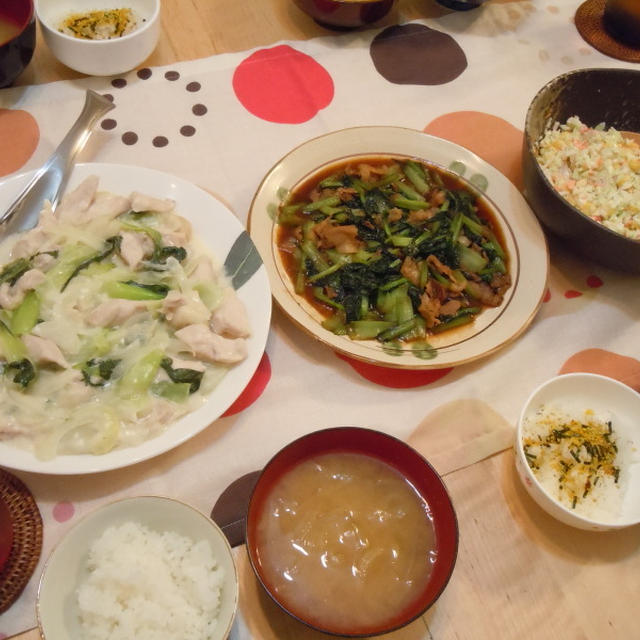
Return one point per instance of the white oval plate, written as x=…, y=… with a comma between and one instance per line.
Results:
x=218, y=228
x=526, y=245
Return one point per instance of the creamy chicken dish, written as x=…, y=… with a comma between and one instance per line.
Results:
x=114, y=322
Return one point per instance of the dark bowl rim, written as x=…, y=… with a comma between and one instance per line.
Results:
x=353, y=2
x=445, y=494
x=614, y=235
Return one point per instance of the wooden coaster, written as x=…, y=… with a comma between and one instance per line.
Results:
x=230, y=510
x=27, y=538
x=589, y=22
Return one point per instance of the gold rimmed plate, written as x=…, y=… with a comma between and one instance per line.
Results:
x=524, y=239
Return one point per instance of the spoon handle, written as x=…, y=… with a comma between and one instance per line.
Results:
x=50, y=180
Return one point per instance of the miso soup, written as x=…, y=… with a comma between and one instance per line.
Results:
x=8, y=30
x=345, y=542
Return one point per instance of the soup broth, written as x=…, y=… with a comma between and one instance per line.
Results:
x=8, y=30
x=346, y=542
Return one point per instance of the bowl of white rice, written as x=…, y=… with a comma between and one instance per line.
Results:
x=577, y=451
x=147, y=568
x=581, y=163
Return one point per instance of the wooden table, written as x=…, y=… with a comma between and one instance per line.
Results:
x=199, y=28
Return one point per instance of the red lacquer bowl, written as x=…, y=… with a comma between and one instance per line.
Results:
x=16, y=50
x=6, y=534
x=345, y=14
x=415, y=469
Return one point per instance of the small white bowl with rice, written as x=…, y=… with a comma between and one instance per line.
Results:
x=103, y=39
x=577, y=451
x=137, y=568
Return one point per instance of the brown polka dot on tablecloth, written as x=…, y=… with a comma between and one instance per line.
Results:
x=108, y=123
x=144, y=74
x=129, y=137
x=108, y=96
x=199, y=109
x=187, y=130
x=194, y=86
x=119, y=83
x=416, y=54
x=171, y=75
x=160, y=141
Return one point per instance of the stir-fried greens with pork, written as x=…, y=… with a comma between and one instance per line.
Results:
x=392, y=249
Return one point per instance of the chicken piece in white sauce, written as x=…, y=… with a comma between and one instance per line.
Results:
x=230, y=319
x=210, y=347
x=182, y=309
x=44, y=351
x=12, y=295
x=112, y=313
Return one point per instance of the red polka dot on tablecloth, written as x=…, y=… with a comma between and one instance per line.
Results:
x=254, y=389
x=547, y=296
x=492, y=138
x=63, y=511
x=395, y=378
x=572, y=293
x=19, y=137
x=282, y=85
x=606, y=363
x=594, y=282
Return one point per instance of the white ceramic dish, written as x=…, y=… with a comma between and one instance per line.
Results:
x=65, y=569
x=605, y=396
x=100, y=57
x=218, y=228
x=526, y=245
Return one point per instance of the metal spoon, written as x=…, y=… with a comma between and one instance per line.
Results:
x=50, y=180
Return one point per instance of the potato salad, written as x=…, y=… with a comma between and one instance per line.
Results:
x=114, y=322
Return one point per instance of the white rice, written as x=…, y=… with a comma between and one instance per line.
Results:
x=145, y=585
x=597, y=171
x=549, y=459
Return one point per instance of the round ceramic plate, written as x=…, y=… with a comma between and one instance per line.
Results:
x=525, y=242
x=221, y=231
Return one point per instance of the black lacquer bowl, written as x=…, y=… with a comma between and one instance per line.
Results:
x=16, y=52
x=611, y=96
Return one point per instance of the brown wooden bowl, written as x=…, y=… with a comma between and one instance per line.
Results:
x=345, y=14
x=611, y=96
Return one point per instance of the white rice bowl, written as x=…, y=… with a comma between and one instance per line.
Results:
x=574, y=396
x=144, y=568
x=149, y=585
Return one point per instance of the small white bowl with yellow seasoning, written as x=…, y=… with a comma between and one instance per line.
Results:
x=100, y=37
x=577, y=451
